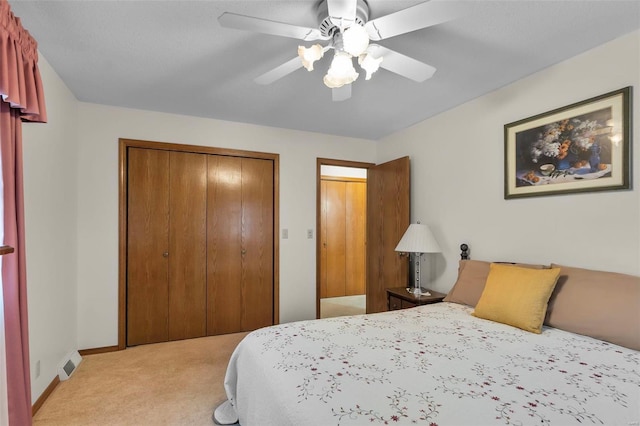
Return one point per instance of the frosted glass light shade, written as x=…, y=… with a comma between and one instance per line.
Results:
x=355, y=40
x=341, y=71
x=369, y=64
x=310, y=55
x=418, y=239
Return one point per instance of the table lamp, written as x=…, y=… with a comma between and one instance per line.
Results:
x=418, y=239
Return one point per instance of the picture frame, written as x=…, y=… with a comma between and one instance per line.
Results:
x=582, y=147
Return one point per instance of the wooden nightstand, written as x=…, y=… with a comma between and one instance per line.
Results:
x=400, y=298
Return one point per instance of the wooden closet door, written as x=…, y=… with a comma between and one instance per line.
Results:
x=187, y=245
x=224, y=249
x=335, y=241
x=323, y=239
x=239, y=244
x=147, y=246
x=257, y=243
x=355, y=238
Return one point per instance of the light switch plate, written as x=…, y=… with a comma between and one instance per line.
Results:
x=285, y=233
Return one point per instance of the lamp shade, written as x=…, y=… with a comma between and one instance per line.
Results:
x=309, y=55
x=418, y=239
x=369, y=64
x=355, y=40
x=341, y=71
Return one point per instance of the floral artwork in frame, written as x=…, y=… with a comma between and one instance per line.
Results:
x=578, y=148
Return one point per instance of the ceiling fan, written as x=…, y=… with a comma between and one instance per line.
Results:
x=346, y=26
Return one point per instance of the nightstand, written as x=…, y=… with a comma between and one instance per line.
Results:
x=400, y=298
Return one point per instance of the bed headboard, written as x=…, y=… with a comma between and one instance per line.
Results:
x=599, y=304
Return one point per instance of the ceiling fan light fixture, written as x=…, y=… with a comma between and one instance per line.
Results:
x=346, y=26
x=355, y=40
x=341, y=71
x=369, y=64
x=309, y=55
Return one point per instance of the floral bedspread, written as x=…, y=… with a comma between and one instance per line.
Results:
x=431, y=365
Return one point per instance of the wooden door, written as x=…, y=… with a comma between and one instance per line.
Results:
x=224, y=260
x=388, y=217
x=147, y=246
x=240, y=287
x=186, y=215
x=187, y=245
x=257, y=243
x=322, y=237
x=355, y=237
x=334, y=238
x=343, y=234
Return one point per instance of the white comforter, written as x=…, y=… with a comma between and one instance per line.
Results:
x=432, y=365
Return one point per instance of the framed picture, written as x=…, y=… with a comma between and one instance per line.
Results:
x=578, y=148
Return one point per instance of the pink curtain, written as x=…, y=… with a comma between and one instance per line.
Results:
x=20, y=83
x=13, y=270
x=22, y=99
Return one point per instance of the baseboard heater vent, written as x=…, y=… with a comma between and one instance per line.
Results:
x=69, y=365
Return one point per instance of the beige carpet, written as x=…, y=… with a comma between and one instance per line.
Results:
x=175, y=383
x=341, y=306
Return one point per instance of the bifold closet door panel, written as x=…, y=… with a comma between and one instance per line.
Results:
x=187, y=245
x=335, y=238
x=147, y=245
x=323, y=239
x=356, y=230
x=257, y=243
x=224, y=250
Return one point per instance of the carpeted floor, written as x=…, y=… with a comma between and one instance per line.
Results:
x=174, y=383
x=341, y=306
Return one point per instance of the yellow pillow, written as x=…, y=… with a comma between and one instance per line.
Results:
x=517, y=296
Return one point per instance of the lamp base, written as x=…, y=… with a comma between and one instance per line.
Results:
x=418, y=291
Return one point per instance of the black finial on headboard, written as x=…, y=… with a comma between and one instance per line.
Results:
x=464, y=254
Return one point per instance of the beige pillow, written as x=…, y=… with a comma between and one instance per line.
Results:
x=603, y=305
x=472, y=276
x=517, y=296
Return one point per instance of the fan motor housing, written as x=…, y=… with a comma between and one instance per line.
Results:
x=328, y=27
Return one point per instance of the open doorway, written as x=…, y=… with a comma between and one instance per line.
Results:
x=341, y=255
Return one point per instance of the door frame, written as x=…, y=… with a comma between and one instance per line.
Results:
x=319, y=163
x=123, y=146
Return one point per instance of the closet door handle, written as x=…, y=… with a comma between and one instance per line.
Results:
x=165, y=254
x=244, y=251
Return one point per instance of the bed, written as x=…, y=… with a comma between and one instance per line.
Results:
x=442, y=364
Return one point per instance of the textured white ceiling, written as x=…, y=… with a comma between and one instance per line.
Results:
x=173, y=56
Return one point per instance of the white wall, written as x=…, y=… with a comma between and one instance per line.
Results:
x=457, y=175
x=50, y=161
x=99, y=130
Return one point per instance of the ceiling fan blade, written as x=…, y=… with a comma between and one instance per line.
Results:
x=401, y=64
x=279, y=71
x=341, y=93
x=412, y=18
x=342, y=12
x=265, y=26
